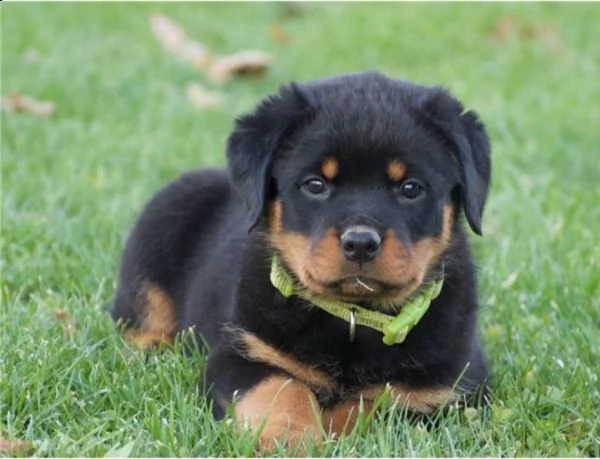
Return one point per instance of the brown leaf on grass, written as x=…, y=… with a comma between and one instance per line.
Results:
x=68, y=322
x=195, y=53
x=243, y=63
x=168, y=32
x=14, y=447
x=504, y=28
x=549, y=36
x=20, y=103
x=289, y=10
x=278, y=35
x=201, y=97
x=546, y=34
x=174, y=40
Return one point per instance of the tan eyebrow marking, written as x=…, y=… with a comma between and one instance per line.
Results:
x=330, y=168
x=396, y=170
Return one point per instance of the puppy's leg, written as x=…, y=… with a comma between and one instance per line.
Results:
x=476, y=380
x=266, y=400
x=342, y=418
x=283, y=407
x=147, y=312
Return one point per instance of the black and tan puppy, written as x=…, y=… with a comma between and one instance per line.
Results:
x=328, y=261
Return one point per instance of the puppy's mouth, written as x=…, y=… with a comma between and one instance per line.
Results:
x=359, y=288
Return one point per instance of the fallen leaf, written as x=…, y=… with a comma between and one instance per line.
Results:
x=288, y=10
x=278, y=34
x=527, y=33
x=20, y=103
x=174, y=40
x=195, y=53
x=545, y=33
x=12, y=447
x=243, y=63
x=67, y=320
x=201, y=97
x=549, y=36
x=168, y=32
x=504, y=28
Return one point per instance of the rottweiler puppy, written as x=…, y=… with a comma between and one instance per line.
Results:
x=328, y=263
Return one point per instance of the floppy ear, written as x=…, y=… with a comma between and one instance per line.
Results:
x=256, y=138
x=470, y=143
x=473, y=150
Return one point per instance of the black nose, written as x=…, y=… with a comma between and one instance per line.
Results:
x=360, y=244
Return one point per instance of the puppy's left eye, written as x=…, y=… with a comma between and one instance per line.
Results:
x=315, y=187
x=411, y=189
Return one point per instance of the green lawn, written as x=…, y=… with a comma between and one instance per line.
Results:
x=73, y=183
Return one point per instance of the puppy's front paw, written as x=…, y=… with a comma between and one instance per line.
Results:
x=342, y=418
x=295, y=437
x=283, y=410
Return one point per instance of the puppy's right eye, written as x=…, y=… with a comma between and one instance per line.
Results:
x=315, y=187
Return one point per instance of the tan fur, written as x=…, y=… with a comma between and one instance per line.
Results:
x=428, y=250
x=145, y=339
x=330, y=168
x=256, y=349
x=281, y=409
x=341, y=419
x=396, y=170
x=421, y=400
x=158, y=318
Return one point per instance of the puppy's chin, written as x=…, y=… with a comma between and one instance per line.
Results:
x=361, y=289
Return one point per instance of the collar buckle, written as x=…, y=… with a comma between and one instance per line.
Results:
x=352, y=326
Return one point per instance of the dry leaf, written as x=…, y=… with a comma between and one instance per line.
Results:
x=549, y=36
x=243, y=63
x=174, y=40
x=21, y=103
x=527, y=33
x=67, y=320
x=504, y=28
x=12, y=447
x=195, y=53
x=546, y=33
x=169, y=34
x=288, y=10
x=278, y=34
x=202, y=97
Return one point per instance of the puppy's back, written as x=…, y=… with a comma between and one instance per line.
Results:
x=172, y=234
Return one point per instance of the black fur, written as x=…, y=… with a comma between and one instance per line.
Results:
x=203, y=238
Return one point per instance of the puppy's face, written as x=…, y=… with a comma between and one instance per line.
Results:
x=358, y=217
x=363, y=189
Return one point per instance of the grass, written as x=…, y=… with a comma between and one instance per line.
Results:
x=73, y=183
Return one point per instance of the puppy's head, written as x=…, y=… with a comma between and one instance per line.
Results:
x=360, y=180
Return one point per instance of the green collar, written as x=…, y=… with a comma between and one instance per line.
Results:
x=394, y=328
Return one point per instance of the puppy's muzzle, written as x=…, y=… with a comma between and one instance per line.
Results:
x=360, y=244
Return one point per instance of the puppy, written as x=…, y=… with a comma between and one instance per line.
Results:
x=328, y=264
